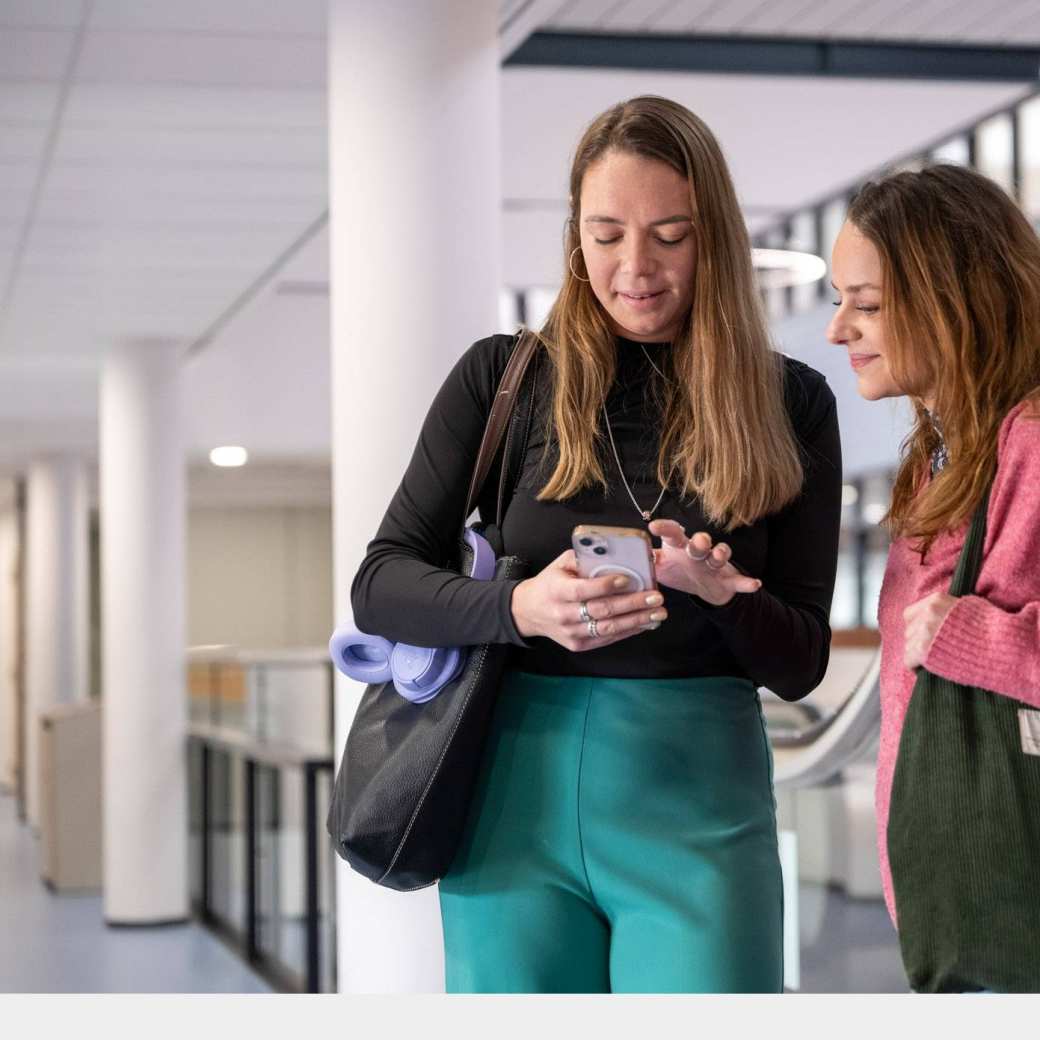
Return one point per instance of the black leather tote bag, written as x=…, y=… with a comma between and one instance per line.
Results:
x=964, y=829
x=406, y=777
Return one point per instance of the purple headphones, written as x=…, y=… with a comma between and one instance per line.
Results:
x=419, y=673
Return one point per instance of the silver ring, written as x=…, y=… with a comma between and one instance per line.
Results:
x=583, y=609
x=713, y=566
x=591, y=625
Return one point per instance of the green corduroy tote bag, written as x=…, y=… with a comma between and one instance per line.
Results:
x=964, y=828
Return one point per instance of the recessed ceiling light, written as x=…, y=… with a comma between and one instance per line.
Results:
x=779, y=268
x=229, y=455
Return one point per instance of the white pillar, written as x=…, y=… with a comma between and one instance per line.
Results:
x=56, y=623
x=414, y=230
x=144, y=710
x=8, y=639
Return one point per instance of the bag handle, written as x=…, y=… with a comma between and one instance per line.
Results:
x=501, y=411
x=970, y=561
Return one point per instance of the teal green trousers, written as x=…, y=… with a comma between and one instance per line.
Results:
x=622, y=839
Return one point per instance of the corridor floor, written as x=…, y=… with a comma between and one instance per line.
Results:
x=51, y=943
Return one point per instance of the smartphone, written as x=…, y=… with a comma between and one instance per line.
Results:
x=615, y=550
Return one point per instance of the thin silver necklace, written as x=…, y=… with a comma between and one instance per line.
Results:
x=651, y=360
x=646, y=514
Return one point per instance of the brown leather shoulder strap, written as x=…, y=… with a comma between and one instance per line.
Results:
x=501, y=410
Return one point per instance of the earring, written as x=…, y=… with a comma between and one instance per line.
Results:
x=570, y=264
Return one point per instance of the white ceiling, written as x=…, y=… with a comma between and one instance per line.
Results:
x=935, y=21
x=163, y=173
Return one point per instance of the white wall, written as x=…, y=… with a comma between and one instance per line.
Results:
x=871, y=431
x=260, y=578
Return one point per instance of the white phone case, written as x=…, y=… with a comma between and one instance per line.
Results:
x=615, y=550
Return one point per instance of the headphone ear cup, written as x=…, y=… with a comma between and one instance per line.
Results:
x=361, y=656
x=421, y=672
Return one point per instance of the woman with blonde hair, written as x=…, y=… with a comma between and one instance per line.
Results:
x=938, y=276
x=623, y=833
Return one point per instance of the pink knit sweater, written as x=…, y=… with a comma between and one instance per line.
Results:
x=991, y=639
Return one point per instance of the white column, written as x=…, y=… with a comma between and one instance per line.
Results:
x=414, y=229
x=144, y=710
x=56, y=622
x=8, y=638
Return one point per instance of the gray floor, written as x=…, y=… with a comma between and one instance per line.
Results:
x=848, y=945
x=60, y=944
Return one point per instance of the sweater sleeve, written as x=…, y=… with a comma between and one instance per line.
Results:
x=992, y=639
x=405, y=589
x=781, y=634
x=979, y=644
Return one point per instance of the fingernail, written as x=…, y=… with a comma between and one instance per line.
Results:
x=621, y=582
x=655, y=599
x=651, y=626
x=659, y=615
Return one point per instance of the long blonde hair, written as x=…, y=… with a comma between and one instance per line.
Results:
x=726, y=435
x=960, y=302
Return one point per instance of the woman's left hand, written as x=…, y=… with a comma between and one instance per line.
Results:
x=695, y=565
x=923, y=619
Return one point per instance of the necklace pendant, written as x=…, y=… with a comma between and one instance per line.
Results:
x=646, y=515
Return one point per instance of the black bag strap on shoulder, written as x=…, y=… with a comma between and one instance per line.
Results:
x=502, y=410
x=969, y=563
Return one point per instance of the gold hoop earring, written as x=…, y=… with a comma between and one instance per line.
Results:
x=570, y=264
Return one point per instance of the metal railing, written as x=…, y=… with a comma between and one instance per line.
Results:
x=260, y=774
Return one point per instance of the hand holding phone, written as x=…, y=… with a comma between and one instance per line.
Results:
x=574, y=600
x=601, y=550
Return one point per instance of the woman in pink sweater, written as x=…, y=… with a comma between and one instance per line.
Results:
x=938, y=279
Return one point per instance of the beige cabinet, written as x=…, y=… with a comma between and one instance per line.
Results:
x=70, y=796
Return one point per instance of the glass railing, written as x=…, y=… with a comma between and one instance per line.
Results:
x=260, y=768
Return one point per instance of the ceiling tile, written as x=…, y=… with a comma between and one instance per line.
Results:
x=160, y=181
x=26, y=104
x=293, y=146
x=677, y=17
x=864, y=20
x=94, y=105
x=1017, y=23
x=35, y=54
x=22, y=143
x=42, y=14
x=583, y=14
x=18, y=177
x=831, y=16
x=238, y=17
x=78, y=205
x=195, y=60
x=631, y=16
x=785, y=18
x=727, y=17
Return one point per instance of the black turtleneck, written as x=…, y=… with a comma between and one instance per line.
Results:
x=778, y=637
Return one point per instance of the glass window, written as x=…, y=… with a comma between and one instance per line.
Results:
x=539, y=303
x=508, y=318
x=833, y=218
x=914, y=165
x=775, y=298
x=1029, y=146
x=803, y=238
x=994, y=152
x=955, y=150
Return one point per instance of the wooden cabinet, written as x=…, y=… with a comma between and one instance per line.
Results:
x=70, y=796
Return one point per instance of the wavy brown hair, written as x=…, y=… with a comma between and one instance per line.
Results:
x=960, y=305
x=726, y=435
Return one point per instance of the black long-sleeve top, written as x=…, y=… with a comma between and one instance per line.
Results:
x=778, y=637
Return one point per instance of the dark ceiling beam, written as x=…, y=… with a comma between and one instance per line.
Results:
x=777, y=55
